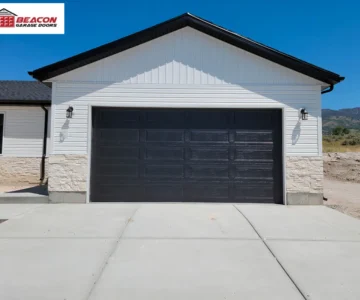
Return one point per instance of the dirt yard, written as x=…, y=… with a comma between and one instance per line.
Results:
x=342, y=166
x=343, y=196
x=342, y=182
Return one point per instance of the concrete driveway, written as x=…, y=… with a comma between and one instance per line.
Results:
x=178, y=251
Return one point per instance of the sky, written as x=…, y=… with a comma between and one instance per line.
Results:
x=324, y=33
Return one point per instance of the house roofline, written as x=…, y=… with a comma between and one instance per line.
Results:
x=177, y=23
x=25, y=102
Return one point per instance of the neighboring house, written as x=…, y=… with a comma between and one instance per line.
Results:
x=24, y=109
x=186, y=111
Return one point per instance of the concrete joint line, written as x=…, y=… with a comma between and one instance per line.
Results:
x=111, y=252
x=273, y=254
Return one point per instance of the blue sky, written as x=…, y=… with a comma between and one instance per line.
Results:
x=325, y=33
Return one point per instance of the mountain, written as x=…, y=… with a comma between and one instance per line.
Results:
x=346, y=117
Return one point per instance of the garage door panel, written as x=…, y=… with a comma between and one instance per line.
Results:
x=164, y=171
x=254, y=152
x=254, y=119
x=186, y=155
x=254, y=169
x=165, y=191
x=254, y=192
x=205, y=119
x=117, y=170
x=118, y=192
x=209, y=154
x=111, y=153
x=207, y=192
x=207, y=171
x=260, y=136
x=165, y=135
x=165, y=153
x=108, y=118
x=209, y=136
x=169, y=118
x=116, y=136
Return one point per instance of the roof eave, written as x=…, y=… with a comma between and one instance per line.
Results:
x=177, y=23
x=25, y=102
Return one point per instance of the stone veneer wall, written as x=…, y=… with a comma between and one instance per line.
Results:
x=304, y=179
x=21, y=170
x=67, y=178
x=68, y=173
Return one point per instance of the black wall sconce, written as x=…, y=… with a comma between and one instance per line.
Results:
x=69, y=112
x=304, y=114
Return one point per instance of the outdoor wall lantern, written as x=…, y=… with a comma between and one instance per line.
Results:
x=69, y=112
x=304, y=114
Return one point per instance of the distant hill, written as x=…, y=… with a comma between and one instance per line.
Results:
x=346, y=117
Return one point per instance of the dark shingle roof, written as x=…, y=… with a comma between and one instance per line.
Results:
x=24, y=92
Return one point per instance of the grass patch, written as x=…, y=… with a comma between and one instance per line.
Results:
x=348, y=141
x=337, y=147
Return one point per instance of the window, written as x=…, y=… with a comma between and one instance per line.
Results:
x=1, y=132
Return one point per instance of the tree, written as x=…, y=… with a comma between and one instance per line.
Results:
x=346, y=131
x=338, y=130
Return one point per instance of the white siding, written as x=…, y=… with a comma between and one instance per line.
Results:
x=71, y=135
x=186, y=56
x=23, y=131
x=185, y=68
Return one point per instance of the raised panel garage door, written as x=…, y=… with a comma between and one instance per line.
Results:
x=186, y=155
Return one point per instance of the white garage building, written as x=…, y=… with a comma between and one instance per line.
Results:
x=186, y=111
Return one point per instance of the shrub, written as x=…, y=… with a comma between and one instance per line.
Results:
x=352, y=142
x=338, y=130
x=344, y=143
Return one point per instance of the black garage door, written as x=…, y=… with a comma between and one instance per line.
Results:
x=191, y=155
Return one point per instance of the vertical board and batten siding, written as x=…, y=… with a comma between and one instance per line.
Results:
x=23, y=131
x=186, y=56
x=186, y=68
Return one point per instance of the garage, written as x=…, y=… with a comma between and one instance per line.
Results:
x=186, y=111
x=186, y=155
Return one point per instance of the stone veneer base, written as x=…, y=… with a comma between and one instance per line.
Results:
x=21, y=170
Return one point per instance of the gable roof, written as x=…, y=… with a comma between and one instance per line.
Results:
x=15, y=92
x=177, y=23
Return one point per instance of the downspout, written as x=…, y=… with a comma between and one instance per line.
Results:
x=331, y=87
x=42, y=170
